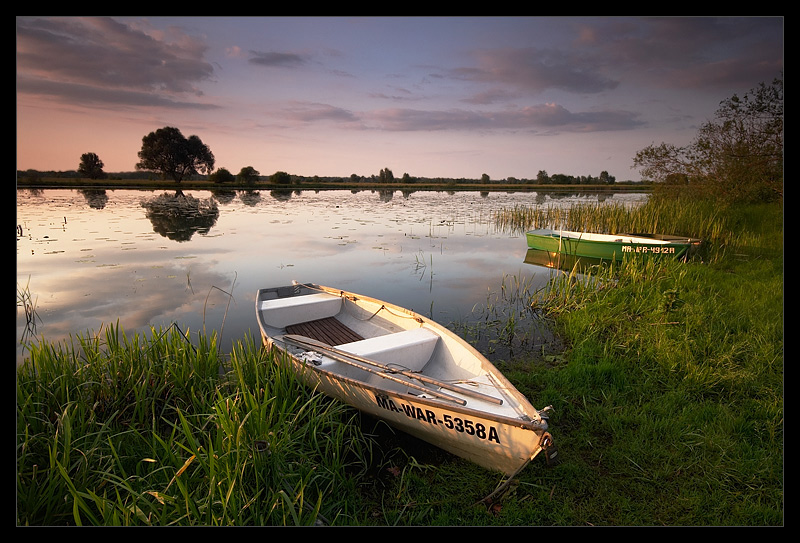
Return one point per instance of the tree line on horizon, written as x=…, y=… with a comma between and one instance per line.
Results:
x=738, y=156
x=250, y=175
x=168, y=153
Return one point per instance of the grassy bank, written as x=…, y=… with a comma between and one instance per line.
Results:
x=121, y=430
x=667, y=396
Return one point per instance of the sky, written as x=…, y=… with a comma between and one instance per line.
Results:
x=432, y=97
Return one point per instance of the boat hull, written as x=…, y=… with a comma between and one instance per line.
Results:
x=605, y=247
x=501, y=445
x=503, y=437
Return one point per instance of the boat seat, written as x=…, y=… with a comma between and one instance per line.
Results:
x=410, y=349
x=283, y=312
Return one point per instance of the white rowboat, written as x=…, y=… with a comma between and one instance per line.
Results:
x=406, y=369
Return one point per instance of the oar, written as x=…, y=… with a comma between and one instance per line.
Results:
x=307, y=341
x=348, y=359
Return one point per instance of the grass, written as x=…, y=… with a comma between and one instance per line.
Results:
x=675, y=392
x=667, y=396
x=134, y=431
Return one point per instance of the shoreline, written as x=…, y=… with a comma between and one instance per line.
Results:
x=45, y=183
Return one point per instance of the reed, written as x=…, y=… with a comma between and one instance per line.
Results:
x=507, y=322
x=721, y=230
x=28, y=304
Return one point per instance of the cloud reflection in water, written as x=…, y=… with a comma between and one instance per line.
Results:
x=130, y=256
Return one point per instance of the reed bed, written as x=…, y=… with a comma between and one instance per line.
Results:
x=704, y=219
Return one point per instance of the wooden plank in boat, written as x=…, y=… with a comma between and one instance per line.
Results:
x=329, y=330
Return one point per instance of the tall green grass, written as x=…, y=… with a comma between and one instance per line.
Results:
x=673, y=391
x=119, y=430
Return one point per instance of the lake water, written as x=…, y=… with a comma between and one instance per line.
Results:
x=196, y=258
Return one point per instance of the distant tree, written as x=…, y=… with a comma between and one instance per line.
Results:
x=485, y=178
x=607, y=179
x=560, y=179
x=91, y=166
x=248, y=174
x=167, y=151
x=280, y=178
x=222, y=175
x=386, y=176
x=542, y=178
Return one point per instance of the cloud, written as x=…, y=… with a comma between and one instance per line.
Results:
x=277, y=59
x=686, y=52
x=599, y=55
x=544, y=117
x=89, y=95
x=307, y=112
x=547, y=118
x=107, y=60
x=234, y=51
x=491, y=96
x=536, y=70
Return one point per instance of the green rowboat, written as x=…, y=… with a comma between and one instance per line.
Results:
x=609, y=246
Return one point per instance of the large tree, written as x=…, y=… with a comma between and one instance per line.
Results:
x=737, y=156
x=167, y=151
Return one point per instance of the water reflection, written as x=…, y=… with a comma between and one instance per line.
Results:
x=96, y=198
x=224, y=196
x=145, y=258
x=180, y=216
x=561, y=261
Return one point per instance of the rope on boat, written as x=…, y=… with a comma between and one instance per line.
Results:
x=545, y=444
